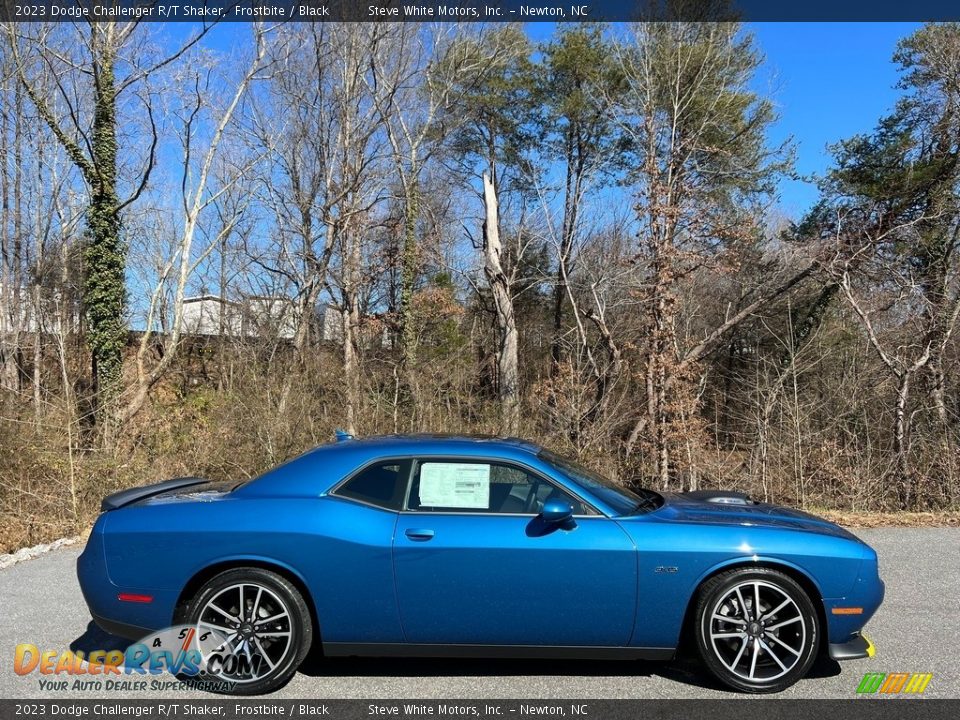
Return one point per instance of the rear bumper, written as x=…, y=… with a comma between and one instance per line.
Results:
x=112, y=627
x=131, y=620
x=854, y=649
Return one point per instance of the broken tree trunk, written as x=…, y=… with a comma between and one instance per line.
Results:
x=507, y=363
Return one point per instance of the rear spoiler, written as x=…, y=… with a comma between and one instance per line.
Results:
x=127, y=497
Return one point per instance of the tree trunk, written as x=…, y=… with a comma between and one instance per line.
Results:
x=104, y=254
x=39, y=317
x=315, y=273
x=11, y=310
x=947, y=436
x=660, y=424
x=351, y=322
x=661, y=358
x=901, y=442
x=937, y=391
x=507, y=359
x=349, y=317
x=570, y=207
x=408, y=275
x=305, y=318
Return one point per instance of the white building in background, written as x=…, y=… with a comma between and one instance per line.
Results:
x=212, y=315
x=261, y=316
x=25, y=312
x=330, y=324
x=265, y=316
x=254, y=316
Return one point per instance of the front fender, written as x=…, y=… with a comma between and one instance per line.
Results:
x=674, y=559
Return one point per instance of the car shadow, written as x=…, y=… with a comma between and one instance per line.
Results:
x=824, y=667
x=94, y=638
x=316, y=665
x=685, y=670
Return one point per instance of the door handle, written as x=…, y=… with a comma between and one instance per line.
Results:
x=419, y=534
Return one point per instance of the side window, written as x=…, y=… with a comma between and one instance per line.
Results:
x=452, y=486
x=383, y=484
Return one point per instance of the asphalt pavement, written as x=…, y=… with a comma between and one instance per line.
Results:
x=916, y=630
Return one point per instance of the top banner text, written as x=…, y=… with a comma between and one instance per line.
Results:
x=213, y=11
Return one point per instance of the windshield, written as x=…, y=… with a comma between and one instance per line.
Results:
x=623, y=501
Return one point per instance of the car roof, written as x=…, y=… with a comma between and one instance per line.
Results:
x=300, y=477
x=443, y=441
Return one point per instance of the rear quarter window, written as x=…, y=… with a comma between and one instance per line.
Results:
x=383, y=484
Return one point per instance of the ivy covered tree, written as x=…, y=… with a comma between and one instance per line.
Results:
x=99, y=67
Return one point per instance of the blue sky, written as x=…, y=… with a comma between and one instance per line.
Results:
x=829, y=81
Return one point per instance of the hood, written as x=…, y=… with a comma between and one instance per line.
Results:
x=721, y=508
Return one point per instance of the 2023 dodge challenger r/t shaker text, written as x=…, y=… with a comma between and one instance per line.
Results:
x=480, y=547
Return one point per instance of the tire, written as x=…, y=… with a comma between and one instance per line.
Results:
x=270, y=663
x=756, y=655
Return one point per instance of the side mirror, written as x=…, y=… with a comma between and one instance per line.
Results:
x=556, y=511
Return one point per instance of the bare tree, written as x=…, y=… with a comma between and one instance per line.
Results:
x=12, y=232
x=579, y=81
x=325, y=153
x=197, y=197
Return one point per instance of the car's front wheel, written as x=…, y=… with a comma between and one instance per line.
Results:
x=757, y=630
x=253, y=628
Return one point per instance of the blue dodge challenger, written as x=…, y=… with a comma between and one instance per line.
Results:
x=476, y=547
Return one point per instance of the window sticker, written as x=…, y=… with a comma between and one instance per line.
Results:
x=455, y=485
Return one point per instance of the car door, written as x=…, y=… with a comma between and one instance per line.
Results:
x=475, y=563
x=354, y=563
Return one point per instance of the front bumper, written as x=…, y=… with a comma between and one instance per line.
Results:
x=846, y=616
x=854, y=649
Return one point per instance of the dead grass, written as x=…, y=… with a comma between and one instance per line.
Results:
x=854, y=519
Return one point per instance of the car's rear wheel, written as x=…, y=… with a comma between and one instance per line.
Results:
x=757, y=630
x=253, y=627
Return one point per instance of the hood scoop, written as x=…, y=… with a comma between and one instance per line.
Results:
x=728, y=507
x=720, y=497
